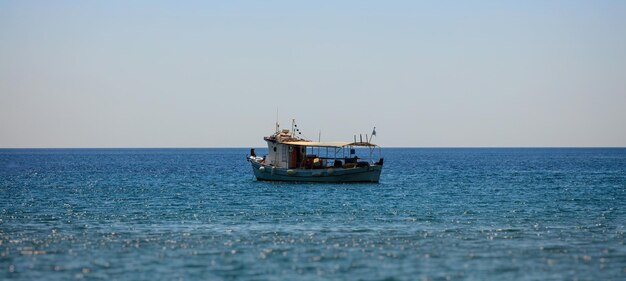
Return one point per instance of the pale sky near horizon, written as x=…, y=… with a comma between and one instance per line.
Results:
x=213, y=73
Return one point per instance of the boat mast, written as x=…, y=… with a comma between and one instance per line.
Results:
x=277, y=126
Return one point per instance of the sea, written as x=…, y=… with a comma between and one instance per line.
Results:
x=199, y=214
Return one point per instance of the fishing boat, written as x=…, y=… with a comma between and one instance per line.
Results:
x=295, y=159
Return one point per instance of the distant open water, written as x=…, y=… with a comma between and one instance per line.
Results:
x=198, y=214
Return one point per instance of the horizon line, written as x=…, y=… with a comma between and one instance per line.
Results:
x=247, y=147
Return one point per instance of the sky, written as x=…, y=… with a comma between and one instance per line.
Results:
x=216, y=73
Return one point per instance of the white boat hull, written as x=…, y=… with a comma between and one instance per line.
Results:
x=357, y=174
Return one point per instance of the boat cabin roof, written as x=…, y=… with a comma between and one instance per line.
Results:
x=336, y=144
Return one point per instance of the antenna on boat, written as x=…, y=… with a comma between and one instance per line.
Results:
x=277, y=125
x=319, y=139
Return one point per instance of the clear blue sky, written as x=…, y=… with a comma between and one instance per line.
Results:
x=204, y=73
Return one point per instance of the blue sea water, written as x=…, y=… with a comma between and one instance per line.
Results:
x=198, y=214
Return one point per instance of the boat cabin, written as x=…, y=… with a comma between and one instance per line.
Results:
x=289, y=152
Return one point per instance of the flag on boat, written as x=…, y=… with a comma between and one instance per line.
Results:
x=374, y=132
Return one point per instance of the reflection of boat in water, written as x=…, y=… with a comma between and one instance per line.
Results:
x=292, y=158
